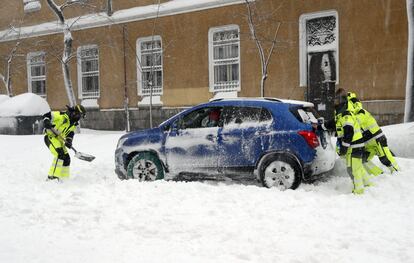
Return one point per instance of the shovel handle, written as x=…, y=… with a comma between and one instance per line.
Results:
x=57, y=133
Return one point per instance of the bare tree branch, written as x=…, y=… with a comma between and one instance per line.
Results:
x=264, y=60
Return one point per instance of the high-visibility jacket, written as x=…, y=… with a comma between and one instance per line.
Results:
x=61, y=123
x=354, y=101
x=348, y=130
x=367, y=122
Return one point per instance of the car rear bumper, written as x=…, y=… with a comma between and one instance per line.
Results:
x=325, y=158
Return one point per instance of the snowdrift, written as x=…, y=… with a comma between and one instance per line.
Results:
x=94, y=217
x=22, y=114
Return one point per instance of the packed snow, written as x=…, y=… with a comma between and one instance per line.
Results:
x=95, y=217
x=26, y=104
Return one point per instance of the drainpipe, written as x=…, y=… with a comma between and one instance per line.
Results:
x=126, y=98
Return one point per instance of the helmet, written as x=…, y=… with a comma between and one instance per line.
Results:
x=76, y=113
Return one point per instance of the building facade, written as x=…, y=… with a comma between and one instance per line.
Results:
x=177, y=54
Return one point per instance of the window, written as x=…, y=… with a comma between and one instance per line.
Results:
x=319, y=44
x=36, y=73
x=88, y=72
x=247, y=115
x=31, y=5
x=149, y=63
x=202, y=118
x=224, y=59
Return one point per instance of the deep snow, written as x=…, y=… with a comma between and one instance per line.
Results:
x=94, y=217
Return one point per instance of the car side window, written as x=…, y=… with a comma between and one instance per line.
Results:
x=240, y=115
x=202, y=118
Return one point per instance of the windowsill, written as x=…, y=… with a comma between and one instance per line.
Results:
x=145, y=102
x=225, y=95
x=90, y=103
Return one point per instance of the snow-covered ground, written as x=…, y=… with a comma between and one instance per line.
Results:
x=94, y=217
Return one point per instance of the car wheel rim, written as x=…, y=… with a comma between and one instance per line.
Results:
x=280, y=175
x=145, y=170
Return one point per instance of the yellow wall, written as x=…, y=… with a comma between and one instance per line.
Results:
x=372, y=52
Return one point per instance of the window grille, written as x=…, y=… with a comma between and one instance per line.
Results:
x=37, y=73
x=88, y=68
x=225, y=59
x=150, y=64
x=321, y=31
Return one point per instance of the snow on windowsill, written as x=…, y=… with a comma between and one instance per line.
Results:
x=225, y=95
x=32, y=6
x=90, y=103
x=145, y=102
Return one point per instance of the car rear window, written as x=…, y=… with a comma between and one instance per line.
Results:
x=305, y=114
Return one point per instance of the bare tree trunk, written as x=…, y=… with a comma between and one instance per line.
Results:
x=409, y=98
x=264, y=61
x=67, y=51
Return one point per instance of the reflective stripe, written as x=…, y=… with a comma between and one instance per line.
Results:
x=348, y=123
x=371, y=126
x=346, y=144
x=359, y=145
x=375, y=137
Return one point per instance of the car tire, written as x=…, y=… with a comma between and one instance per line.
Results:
x=145, y=166
x=280, y=171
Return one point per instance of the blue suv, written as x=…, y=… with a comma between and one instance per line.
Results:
x=274, y=141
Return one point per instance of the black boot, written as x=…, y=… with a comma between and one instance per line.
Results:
x=50, y=178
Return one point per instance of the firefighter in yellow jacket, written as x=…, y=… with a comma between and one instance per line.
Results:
x=374, y=138
x=60, y=127
x=351, y=145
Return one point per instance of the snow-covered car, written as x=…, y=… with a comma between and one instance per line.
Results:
x=272, y=140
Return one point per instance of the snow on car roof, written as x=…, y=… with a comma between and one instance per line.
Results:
x=299, y=102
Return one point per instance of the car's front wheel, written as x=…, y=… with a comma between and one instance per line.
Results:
x=145, y=166
x=280, y=171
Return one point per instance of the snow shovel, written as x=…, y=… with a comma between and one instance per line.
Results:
x=83, y=156
x=79, y=155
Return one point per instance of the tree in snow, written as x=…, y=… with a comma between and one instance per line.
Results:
x=68, y=40
x=409, y=98
x=6, y=76
x=254, y=20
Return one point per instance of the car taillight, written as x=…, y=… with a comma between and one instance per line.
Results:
x=310, y=138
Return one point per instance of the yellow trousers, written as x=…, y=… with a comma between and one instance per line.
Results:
x=357, y=172
x=61, y=159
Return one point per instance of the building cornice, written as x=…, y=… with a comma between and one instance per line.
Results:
x=119, y=17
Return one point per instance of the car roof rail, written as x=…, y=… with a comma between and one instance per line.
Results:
x=217, y=99
x=273, y=99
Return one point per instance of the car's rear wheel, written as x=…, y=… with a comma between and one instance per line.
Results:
x=280, y=171
x=145, y=166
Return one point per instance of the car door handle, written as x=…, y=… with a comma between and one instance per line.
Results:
x=211, y=137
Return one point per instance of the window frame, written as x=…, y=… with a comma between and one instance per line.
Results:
x=96, y=94
x=303, y=47
x=139, y=65
x=212, y=63
x=30, y=79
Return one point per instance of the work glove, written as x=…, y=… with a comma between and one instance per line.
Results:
x=47, y=124
x=342, y=150
x=68, y=142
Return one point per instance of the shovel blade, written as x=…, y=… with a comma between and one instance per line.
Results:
x=84, y=156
